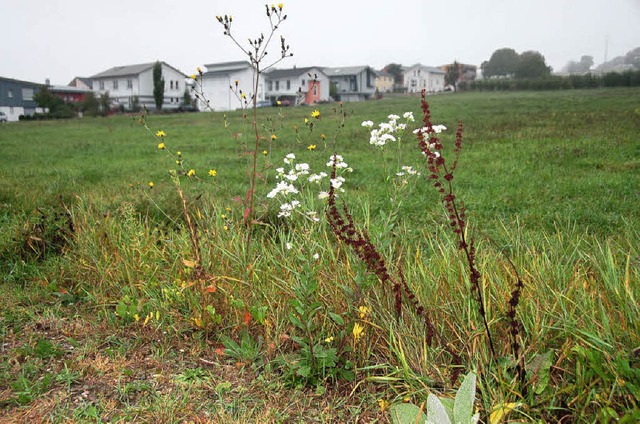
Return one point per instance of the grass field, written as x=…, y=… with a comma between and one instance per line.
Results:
x=105, y=319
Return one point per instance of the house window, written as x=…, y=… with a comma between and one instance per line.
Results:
x=288, y=84
x=315, y=90
x=27, y=94
x=177, y=88
x=270, y=85
x=171, y=85
x=302, y=83
x=277, y=85
x=10, y=93
x=115, y=84
x=101, y=85
x=129, y=83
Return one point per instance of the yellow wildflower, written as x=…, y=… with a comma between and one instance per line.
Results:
x=280, y=6
x=136, y=317
x=306, y=120
x=274, y=137
x=311, y=147
x=199, y=70
x=315, y=114
x=226, y=227
x=244, y=96
x=264, y=152
x=363, y=311
x=384, y=404
x=278, y=102
x=160, y=133
x=213, y=172
x=193, y=76
x=223, y=216
x=150, y=184
x=328, y=340
x=161, y=146
x=191, y=173
x=357, y=331
x=236, y=82
x=179, y=153
x=324, y=136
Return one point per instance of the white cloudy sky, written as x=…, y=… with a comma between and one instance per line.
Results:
x=61, y=39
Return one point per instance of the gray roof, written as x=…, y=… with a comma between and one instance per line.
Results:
x=67, y=89
x=121, y=71
x=5, y=79
x=214, y=68
x=431, y=69
x=345, y=70
x=291, y=72
x=86, y=81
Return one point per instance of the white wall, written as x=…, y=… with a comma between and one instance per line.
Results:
x=216, y=89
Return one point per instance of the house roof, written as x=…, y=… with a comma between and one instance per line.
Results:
x=67, y=89
x=86, y=81
x=345, y=70
x=20, y=81
x=121, y=71
x=291, y=72
x=215, y=68
x=431, y=69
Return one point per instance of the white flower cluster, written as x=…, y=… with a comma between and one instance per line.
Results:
x=291, y=183
x=387, y=131
x=437, y=129
x=407, y=170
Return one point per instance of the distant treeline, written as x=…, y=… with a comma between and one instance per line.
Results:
x=629, y=78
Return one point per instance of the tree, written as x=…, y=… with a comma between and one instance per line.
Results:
x=105, y=103
x=186, y=98
x=633, y=58
x=452, y=75
x=158, y=85
x=394, y=69
x=90, y=104
x=582, y=67
x=532, y=65
x=503, y=63
x=55, y=106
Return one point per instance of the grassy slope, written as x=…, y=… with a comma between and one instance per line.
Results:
x=552, y=177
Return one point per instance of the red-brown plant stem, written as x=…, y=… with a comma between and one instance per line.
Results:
x=432, y=148
x=344, y=228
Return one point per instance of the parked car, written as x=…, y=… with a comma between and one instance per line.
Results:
x=3, y=117
x=264, y=103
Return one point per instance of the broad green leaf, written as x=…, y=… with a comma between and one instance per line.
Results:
x=436, y=413
x=463, y=406
x=407, y=413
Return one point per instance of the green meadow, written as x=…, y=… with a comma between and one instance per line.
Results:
x=105, y=318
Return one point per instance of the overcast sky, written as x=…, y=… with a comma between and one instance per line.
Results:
x=61, y=39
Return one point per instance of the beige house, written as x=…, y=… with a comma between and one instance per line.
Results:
x=384, y=82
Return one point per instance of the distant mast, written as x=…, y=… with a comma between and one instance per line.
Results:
x=606, y=48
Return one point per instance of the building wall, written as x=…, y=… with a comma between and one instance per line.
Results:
x=216, y=89
x=384, y=83
x=122, y=89
x=16, y=98
x=301, y=87
x=417, y=79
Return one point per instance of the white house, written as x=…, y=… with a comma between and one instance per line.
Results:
x=124, y=84
x=219, y=89
x=307, y=85
x=352, y=83
x=419, y=77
